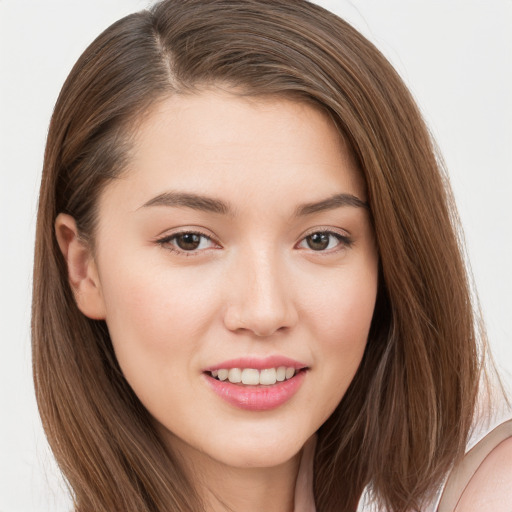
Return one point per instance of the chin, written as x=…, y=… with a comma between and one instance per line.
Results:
x=260, y=453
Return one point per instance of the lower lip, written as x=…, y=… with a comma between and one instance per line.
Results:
x=257, y=398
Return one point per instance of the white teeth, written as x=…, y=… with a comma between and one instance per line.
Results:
x=235, y=375
x=253, y=377
x=281, y=373
x=268, y=376
x=250, y=376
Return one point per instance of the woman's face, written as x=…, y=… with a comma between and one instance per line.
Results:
x=237, y=243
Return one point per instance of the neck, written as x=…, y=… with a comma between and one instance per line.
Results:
x=225, y=488
x=252, y=489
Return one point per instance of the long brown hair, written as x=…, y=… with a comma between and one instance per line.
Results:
x=407, y=414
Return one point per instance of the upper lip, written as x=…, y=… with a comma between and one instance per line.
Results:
x=258, y=363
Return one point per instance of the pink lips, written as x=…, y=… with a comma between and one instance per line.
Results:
x=257, y=398
x=257, y=363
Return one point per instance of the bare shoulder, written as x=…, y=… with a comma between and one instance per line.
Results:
x=490, y=488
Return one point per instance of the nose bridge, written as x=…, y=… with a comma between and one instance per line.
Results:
x=261, y=302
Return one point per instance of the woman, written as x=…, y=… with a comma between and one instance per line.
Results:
x=247, y=271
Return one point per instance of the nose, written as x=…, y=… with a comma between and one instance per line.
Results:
x=260, y=299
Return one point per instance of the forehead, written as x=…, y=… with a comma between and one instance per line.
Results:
x=219, y=143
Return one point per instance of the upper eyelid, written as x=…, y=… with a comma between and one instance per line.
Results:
x=168, y=239
x=326, y=229
x=169, y=234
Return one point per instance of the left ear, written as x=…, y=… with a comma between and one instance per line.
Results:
x=82, y=272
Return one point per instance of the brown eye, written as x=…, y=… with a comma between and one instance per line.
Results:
x=188, y=241
x=318, y=241
x=325, y=241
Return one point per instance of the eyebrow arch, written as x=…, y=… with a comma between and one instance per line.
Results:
x=188, y=200
x=331, y=203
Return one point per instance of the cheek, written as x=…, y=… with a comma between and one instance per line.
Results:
x=155, y=306
x=342, y=309
x=155, y=321
x=341, y=320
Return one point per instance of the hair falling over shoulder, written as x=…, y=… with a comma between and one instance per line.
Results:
x=408, y=412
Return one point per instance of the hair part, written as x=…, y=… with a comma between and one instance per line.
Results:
x=406, y=416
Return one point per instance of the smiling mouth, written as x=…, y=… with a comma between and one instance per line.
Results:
x=254, y=377
x=256, y=389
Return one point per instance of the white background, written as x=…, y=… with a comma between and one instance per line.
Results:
x=455, y=55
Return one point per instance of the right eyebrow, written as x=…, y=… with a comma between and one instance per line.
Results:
x=188, y=200
x=331, y=203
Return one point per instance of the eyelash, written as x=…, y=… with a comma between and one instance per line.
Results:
x=344, y=241
x=167, y=242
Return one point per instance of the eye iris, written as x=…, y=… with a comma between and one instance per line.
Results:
x=188, y=241
x=318, y=241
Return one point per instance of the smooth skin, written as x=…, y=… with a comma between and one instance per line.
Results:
x=238, y=229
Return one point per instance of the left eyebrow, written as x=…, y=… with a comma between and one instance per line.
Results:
x=336, y=201
x=188, y=200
